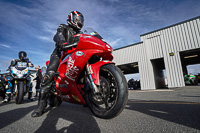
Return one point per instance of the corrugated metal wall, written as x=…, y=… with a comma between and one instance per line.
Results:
x=158, y=44
x=130, y=54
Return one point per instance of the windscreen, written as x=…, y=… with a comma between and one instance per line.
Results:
x=92, y=32
x=21, y=65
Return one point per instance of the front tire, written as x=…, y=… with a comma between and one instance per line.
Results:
x=113, y=93
x=20, y=92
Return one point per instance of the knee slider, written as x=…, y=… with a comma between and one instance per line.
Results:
x=48, y=78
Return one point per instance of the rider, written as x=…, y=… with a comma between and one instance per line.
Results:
x=64, y=37
x=22, y=58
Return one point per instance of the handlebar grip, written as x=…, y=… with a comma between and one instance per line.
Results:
x=67, y=47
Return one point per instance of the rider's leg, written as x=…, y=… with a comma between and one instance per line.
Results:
x=30, y=93
x=7, y=96
x=46, y=83
x=37, y=92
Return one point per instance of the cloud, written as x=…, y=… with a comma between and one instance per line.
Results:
x=114, y=43
x=5, y=45
x=31, y=24
x=4, y=64
x=193, y=69
x=45, y=38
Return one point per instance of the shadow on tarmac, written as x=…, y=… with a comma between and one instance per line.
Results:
x=9, y=117
x=69, y=118
x=187, y=114
x=12, y=101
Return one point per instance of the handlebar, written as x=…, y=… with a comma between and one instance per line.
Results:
x=68, y=47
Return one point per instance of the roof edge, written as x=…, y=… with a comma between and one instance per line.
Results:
x=128, y=46
x=171, y=25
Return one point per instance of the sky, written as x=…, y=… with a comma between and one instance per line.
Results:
x=29, y=25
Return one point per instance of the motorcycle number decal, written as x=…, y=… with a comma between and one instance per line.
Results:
x=76, y=98
x=70, y=64
x=72, y=73
x=79, y=53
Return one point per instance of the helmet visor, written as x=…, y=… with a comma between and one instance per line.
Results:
x=79, y=20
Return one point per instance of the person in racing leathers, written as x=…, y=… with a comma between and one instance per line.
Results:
x=64, y=37
x=22, y=58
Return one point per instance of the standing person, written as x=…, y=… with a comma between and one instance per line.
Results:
x=3, y=88
x=38, y=80
x=64, y=36
x=8, y=87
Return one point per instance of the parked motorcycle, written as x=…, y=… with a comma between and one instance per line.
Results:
x=21, y=80
x=190, y=80
x=87, y=75
x=133, y=84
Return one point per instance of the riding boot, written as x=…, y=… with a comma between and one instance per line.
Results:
x=45, y=90
x=30, y=95
x=36, y=94
x=42, y=102
x=7, y=98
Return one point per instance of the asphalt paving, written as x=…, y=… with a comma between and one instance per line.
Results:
x=147, y=111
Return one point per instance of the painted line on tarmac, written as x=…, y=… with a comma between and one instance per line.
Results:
x=153, y=90
x=162, y=102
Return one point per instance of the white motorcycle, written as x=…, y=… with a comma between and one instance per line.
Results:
x=21, y=80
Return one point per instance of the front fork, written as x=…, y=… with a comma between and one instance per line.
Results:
x=90, y=80
x=15, y=87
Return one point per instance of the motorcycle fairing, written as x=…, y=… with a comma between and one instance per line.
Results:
x=69, y=71
x=94, y=69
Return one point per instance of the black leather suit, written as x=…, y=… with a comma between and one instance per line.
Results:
x=14, y=62
x=65, y=33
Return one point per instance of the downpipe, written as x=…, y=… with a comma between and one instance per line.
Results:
x=90, y=79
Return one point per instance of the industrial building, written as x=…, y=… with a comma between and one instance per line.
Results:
x=171, y=49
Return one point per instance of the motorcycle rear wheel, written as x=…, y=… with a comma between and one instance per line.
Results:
x=20, y=92
x=113, y=95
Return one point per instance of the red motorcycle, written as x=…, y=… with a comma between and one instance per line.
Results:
x=87, y=75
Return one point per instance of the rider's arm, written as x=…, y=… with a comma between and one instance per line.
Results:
x=29, y=62
x=69, y=46
x=13, y=62
x=59, y=37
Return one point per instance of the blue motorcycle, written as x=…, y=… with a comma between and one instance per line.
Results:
x=21, y=80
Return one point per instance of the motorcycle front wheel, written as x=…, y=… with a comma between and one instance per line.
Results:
x=113, y=95
x=20, y=92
